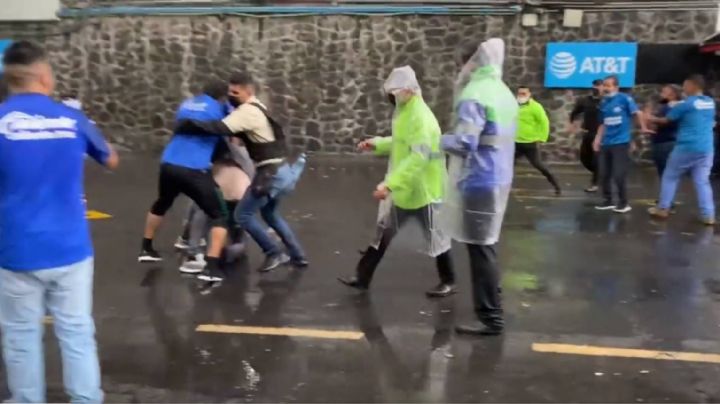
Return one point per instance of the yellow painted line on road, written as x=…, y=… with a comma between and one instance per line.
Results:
x=589, y=350
x=96, y=215
x=282, y=331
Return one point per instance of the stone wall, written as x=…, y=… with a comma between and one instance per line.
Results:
x=321, y=76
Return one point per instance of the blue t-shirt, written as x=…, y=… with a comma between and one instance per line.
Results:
x=42, y=148
x=695, y=118
x=616, y=114
x=194, y=151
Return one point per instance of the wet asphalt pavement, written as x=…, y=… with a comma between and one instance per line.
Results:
x=572, y=275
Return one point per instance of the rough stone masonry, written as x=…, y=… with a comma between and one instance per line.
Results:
x=320, y=75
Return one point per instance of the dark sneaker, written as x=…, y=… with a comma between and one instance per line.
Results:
x=623, y=209
x=212, y=275
x=353, y=282
x=607, y=205
x=274, y=261
x=558, y=192
x=149, y=255
x=193, y=264
x=708, y=221
x=479, y=329
x=300, y=263
x=442, y=290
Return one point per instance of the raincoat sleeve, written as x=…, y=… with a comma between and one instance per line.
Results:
x=465, y=137
x=383, y=145
x=404, y=176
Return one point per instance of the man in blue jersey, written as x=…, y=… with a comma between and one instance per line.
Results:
x=613, y=143
x=46, y=256
x=693, y=152
x=186, y=169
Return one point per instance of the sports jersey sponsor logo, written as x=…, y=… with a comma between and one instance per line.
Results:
x=21, y=126
x=191, y=105
x=613, y=120
x=704, y=104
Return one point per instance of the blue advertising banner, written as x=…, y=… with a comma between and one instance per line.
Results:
x=4, y=44
x=577, y=64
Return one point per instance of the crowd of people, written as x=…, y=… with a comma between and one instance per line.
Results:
x=228, y=156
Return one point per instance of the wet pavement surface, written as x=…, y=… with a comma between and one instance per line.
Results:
x=572, y=275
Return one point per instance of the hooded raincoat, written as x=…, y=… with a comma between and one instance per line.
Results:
x=416, y=171
x=481, y=149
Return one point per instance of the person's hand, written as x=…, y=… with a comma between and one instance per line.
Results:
x=633, y=147
x=574, y=128
x=596, y=145
x=648, y=131
x=381, y=192
x=366, y=145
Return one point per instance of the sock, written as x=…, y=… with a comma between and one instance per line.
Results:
x=212, y=263
x=147, y=244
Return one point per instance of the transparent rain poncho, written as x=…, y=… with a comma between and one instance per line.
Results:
x=481, y=149
x=416, y=171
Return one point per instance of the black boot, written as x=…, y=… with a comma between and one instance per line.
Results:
x=479, y=328
x=364, y=270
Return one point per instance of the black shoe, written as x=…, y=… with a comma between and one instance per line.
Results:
x=442, y=290
x=274, y=261
x=353, y=282
x=212, y=274
x=299, y=263
x=149, y=255
x=478, y=328
x=558, y=192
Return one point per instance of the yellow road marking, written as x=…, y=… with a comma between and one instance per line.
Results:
x=284, y=331
x=96, y=215
x=589, y=350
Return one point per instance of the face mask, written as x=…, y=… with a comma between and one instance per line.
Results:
x=391, y=98
x=523, y=100
x=234, y=101
x=610, y=94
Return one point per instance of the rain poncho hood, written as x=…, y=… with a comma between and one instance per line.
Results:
x=481, y=149
x=416, y=171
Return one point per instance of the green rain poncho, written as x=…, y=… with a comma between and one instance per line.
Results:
x=416, y=172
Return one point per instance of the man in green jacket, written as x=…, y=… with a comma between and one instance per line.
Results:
x=533, y=128
x=414, y=185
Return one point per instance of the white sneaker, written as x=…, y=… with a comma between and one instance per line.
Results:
x=181, y=244
x=193, y=265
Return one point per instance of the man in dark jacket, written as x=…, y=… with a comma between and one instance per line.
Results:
x=587, y=107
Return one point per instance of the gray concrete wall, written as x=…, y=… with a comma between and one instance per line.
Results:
x=322, y=76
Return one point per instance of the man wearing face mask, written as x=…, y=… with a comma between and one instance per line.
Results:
x=481, y=150
x=587, y=107
x=185, y=169
x=413, y=186
x=274, y=175
x=613, y=143
x=533, y=129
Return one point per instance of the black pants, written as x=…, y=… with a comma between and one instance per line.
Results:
x=532, y=153
x=614, y=166
x=372, y=256
x=588, y=156
x=486, y=284
x=197, y=185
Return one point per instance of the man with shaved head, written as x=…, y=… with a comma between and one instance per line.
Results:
x=46, y=255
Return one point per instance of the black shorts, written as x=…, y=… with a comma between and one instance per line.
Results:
x=197, y=185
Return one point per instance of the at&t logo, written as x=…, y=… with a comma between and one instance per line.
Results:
x=563, y=65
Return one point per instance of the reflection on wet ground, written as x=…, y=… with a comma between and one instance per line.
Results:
x=571, y=275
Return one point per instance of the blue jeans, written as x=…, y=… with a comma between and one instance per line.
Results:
x=268, y=207
x=699, y=166
x=66, y=293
